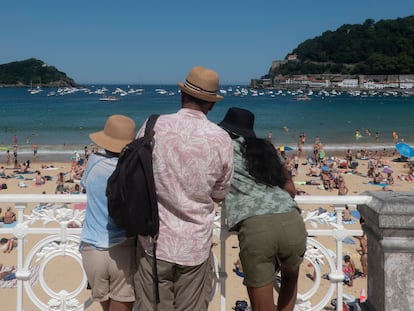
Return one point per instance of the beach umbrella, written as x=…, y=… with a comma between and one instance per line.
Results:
x=387, y=170
x=405, y=150
x=285, y=148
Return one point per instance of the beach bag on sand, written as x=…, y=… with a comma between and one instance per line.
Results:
x=130, y=190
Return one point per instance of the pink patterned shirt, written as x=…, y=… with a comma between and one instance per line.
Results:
x=193, y=164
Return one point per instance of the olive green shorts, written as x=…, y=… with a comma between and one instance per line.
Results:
x=266, y=241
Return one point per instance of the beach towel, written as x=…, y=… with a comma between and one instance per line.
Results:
x=34, y=276
x=380, y=184
x=348, y=240
x=300, y=182
x=356, y=214
x=349, y=222
x=11, y=225
x=50, y=168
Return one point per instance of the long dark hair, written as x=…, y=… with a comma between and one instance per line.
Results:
x=263, y=163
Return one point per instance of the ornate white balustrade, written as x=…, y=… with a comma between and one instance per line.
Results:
x=55, y=225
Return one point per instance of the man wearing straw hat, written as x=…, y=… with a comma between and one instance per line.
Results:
x=193, y=168
x=108, y=257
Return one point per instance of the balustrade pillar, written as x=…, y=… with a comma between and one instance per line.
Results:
x=389, y=225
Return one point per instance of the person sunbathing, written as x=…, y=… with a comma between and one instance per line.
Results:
x=39, y=180
x=403, y=177
x=314, y=171
x=390, y=179
x=348, y=269
x=9, y=216
x=347, y=216
x=7, y=274
x=378, y=178
x=7, y=245
x=342, y=188
x=23, y=169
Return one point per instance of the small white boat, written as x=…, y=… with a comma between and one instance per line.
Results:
x=302, y=97
x=109, y=98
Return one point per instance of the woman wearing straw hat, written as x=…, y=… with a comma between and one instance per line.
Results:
x=108, y=257
x=261, y=207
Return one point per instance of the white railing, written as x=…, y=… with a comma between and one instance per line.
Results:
x=51, y=223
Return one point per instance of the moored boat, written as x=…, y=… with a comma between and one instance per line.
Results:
x=109, y=98
x=302, y=97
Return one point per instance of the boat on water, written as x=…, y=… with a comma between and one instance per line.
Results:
x=109, y=98
x=302, y=97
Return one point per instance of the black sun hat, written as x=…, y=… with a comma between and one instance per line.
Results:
x=239, y=121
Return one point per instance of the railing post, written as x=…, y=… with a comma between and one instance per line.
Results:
x=339, y=287
x=20, y=231
x=389, y=225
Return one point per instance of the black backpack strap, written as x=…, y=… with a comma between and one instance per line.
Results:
x=155, y=272
x=149, y=134
x=149, y=128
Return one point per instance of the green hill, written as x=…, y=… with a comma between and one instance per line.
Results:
x=372, y=48
x=33, y=71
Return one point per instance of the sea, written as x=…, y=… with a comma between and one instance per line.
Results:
x=59, y=121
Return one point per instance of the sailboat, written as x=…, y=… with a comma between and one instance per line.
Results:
x=36, y=90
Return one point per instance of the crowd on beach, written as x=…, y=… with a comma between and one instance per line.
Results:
x=326, y=172
x=259, y=194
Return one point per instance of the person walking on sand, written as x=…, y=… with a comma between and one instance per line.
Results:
x=7, y=157
x=35, y=148
x=108, y=256
x=15, y=153
x=193, y=168
x=261, y=208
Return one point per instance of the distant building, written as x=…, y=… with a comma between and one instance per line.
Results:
x=349, y=83
x=318, y=83
x=292, y=57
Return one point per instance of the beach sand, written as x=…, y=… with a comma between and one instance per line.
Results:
x=66, y=273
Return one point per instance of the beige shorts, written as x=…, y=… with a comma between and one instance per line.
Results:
x=269, y=240
x=110, y=273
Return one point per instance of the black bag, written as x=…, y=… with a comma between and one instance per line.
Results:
x=130, y=190
x=241, y=305
x=132, y=201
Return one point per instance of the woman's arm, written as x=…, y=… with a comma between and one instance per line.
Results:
x=289, y=185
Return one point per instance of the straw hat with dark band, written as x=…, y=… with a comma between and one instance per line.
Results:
x=202, y=83
x=119, y=131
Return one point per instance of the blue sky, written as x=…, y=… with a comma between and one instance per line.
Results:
x=141, y=42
